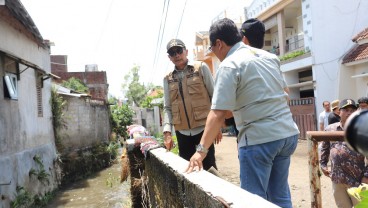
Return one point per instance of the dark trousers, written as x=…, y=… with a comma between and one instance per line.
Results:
x=187, y=147
x=231, y=121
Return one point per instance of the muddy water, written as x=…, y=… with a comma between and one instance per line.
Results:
x=102, y=190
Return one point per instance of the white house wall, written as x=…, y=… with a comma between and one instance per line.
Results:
x=22, y=133
x=334, y=23
x=361, y=83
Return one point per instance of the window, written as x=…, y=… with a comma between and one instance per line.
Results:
x=11, y=86
x=39, y=94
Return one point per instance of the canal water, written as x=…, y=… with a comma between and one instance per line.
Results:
x=102, y=190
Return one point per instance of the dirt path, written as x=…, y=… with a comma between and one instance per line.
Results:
x=228, y=165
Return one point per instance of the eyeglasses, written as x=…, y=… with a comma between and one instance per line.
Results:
x=210, y=49
x=173, y=52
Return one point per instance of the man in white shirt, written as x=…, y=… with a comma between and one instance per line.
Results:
x=323, y=116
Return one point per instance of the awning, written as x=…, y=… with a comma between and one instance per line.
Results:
x=29, y=64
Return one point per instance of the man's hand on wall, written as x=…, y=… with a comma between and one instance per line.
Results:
x=168, y=141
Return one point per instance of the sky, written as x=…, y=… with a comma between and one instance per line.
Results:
x=120, y=34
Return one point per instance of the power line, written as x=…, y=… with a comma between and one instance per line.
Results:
x=161, y=34
x=181, y=18
x=104, y=26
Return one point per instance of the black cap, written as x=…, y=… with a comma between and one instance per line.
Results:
x=253, y=27
x=175, y=42
x=347, y=103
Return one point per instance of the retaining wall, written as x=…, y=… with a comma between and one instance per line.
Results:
x=161, y=174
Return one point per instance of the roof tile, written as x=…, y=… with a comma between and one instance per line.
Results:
x=360, y=36
x=358, y=53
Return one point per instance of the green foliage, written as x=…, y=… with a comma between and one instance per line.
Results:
x=42, y=201
x=76, y=85
x=41, y=173
x=160, y=139
x=113, y=101
x=122, y=116
x=147, y=102
x=292, y=55
x=23, y=198
x=135, y=91
x=112, y=149
x=111, y=180
x=57, y=105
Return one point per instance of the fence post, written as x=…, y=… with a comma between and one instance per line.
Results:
x=314, y=176
x=313, y=138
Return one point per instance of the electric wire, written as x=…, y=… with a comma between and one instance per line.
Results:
x=159, y=36
x=181, y=18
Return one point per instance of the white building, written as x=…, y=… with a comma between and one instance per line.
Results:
x=322, y=31
x=27, y=145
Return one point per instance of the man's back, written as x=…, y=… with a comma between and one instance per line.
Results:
x=259, y=102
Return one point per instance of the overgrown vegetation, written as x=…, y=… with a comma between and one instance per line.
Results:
x=122, y=116
x=57, y=105
x=84, y=162
x=40, y=173
x=292, y=55
x=147, y=102
x=24, y=199
x=76, y=85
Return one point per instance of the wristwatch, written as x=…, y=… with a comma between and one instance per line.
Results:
x=201, y=148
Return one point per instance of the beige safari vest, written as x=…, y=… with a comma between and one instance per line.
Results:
x=190, y=102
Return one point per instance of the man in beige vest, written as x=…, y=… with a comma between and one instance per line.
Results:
x=188, y=91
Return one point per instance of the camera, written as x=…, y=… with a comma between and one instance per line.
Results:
x=356, y=131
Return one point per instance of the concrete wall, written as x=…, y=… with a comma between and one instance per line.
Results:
x=149, y=118
x=165, y=184
x=87, y=123
x=22, y=133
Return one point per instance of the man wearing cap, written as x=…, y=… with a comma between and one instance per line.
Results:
x=249, y=83
x=253, y=31
x=188, y=91
x=348, y=168
x=363, y=103
x=334, y=116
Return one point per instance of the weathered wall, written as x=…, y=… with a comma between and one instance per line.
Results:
x=166, y=184
x=87, y=123
x=24, y=134
x=149, y=118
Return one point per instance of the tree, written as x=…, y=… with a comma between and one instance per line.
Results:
x=76, y=85
x=122, y=116
x=147, y=102
x=135, y=91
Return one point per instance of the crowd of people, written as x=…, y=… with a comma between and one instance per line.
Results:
x=250, y=86
x=250, y=93
x=348, y=167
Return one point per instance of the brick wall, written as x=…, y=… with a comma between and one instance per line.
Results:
x=59, y=63
x=95, y=81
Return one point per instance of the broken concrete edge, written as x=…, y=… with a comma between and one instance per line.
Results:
x=212, y=185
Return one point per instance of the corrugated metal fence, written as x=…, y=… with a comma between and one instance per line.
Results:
x=304, y=115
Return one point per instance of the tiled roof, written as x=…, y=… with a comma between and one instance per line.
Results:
x=358, y=53
x=362, y=35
